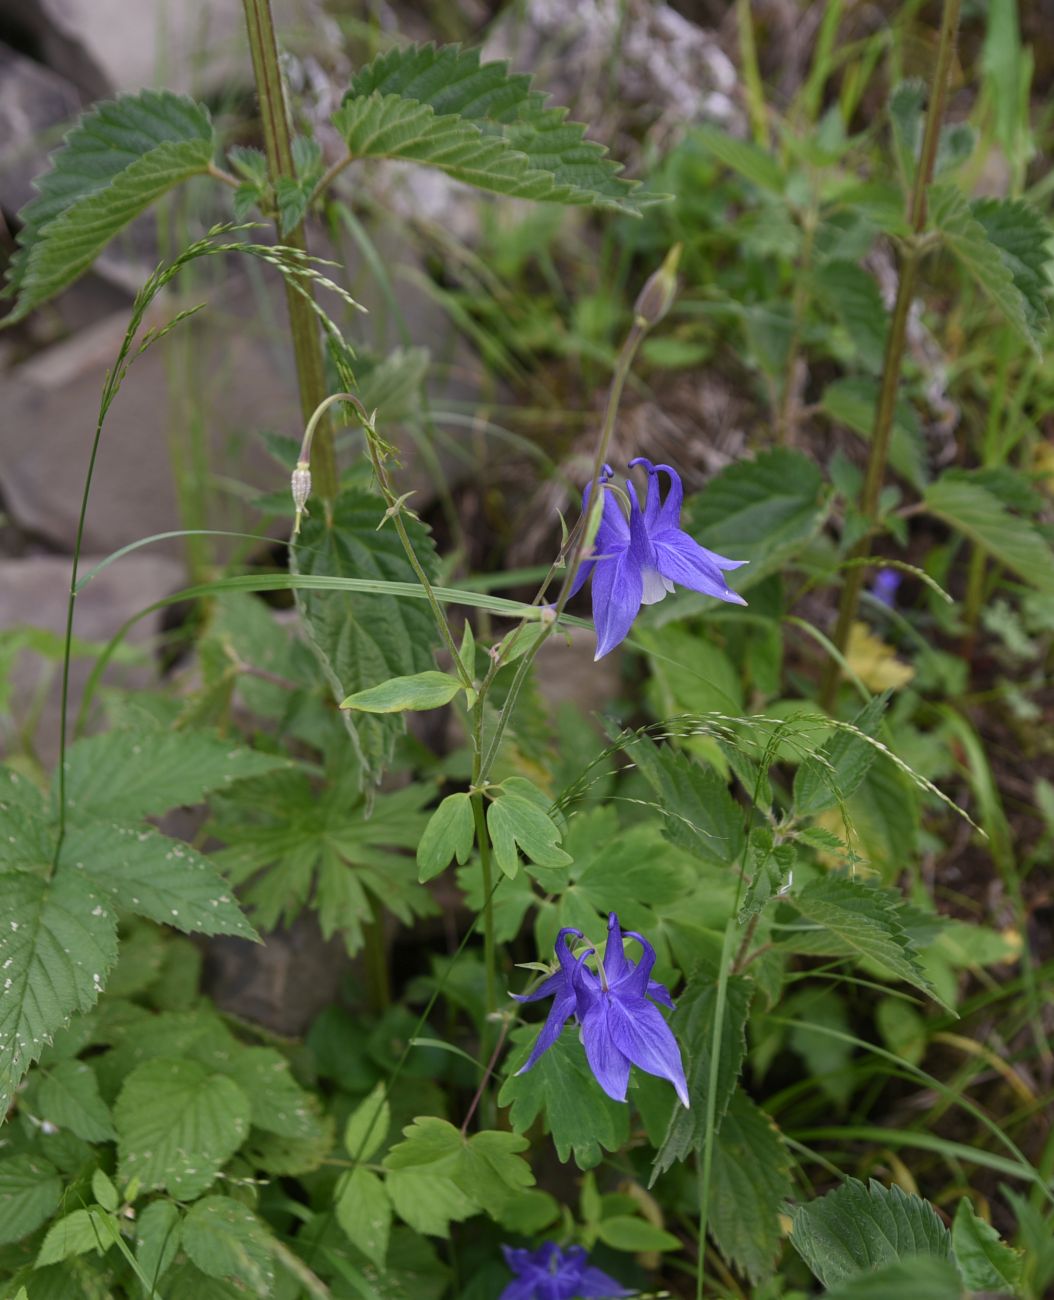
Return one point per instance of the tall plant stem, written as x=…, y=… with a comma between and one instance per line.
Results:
x=914, y=249
x=489, y=948
x=307, y=345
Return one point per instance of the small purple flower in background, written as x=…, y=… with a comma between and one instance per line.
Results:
x=550, y=1273
x=620, y=1027
x=637, y=561
x=885, y=584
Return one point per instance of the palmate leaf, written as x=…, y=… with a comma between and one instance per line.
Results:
x=440, y=106
x=58, y=940
x=121, y=156
x=361, y=640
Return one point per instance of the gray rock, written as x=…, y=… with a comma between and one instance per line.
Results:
x=35, y=105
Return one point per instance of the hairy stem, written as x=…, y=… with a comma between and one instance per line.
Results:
x=887, y=400
x=307, y=346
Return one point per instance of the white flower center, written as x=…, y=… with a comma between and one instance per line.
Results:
x=655, y=586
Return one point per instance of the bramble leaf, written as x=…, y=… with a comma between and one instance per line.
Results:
x=30, y=1191
x=76, y=1233
x=225, y=1239
x=69, y=1098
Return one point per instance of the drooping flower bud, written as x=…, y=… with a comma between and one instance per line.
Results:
x=300, y=485
x=660, y=289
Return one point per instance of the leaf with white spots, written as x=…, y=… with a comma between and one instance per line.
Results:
x=27, y=842
x=278, y=1104
x=138, y=772
x=30, y=1191
x=69, y=1098
x=58, y=940
x=178, y=1125
x=152, y=875
x=225, y=1239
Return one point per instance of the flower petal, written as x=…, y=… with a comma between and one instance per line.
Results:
x=660, y=993
x=681, y=558
x=635, y=977
x=617, y=592
x=610, y=1066
x=616, y=967
x=640, y=1034
x=563, y=1008
x=661, y=514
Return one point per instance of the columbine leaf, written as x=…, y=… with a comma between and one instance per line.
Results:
x=151, y=875
x=855, y=1229
x=693, y=1024
x=120, y=157
x=126, y=774
x=985, y=1261
x=30, y=1191
x=428, y=1201
x=58, y=940
x=561, y=1087
x=69, y=1098
x=751, y=1182
x=429, y=690
x=177, y=1125
x=362, y=640
x=450, y=833
x=225, y=1239
x=364, y=1211
x=518, y=819
x=440, y=106
x=856, y=920
x=976, y=512
x=831, y=776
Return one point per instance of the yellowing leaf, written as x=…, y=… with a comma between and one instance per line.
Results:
x=874, y=662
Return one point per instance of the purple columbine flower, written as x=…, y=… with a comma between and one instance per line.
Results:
x=550, y=1273
x=620, y=1027
x=637, y=561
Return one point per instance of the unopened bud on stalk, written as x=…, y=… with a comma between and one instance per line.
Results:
x=300, y=485
x=656, y=298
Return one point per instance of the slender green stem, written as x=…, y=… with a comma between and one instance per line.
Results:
x=489, y=950
x=883, y=427
x=748, y=59
x=380, y=991
x=307, y=345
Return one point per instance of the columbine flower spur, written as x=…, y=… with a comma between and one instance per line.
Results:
x=636, y=562
x=620, y=1027
x=550, y=1273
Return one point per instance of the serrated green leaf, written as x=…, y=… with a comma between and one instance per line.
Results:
x=121, y=156
x=750, y=1181
x=450, y=833
x=27, y=840
x=701, y=814
x=365, y=640
x=751, y=162
x=487, y=1167
x=921, y=1279
x=981, y=516
x=153, y=876
x=852, y=401
x=853, y=297
x=158, y=1234
x=368, y=1126
x=429, y=690
x=858, y=1228
x=762, y=511
x=693, y=1025
x=1023, y=237
x=76, y=1233
x=58, y=941
x=518, y=822
x=830, y=777
x=291, y=1156
x=277, y=1102
x=177, y=1125
x=225, y=1239
x=854, y=919
x=30, y=1191
x=125, y=774
x=292, y=197
x=69, y=1098
x=443, y=108
x=364, y=1211
x=905, y=115
x=985, y=1261
x=560, y=1086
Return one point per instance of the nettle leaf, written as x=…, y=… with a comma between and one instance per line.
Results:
x=440, y=106
x=693, y=1025
x=297, y=843
x=905, y=115
x=364, y=640
x=225, y=1239
x=1004, y=246
x=701, y=814
x=858, y=920
x=852, y=401
x=430, y=690
x=560, y=1086
x=126, y=774
x=852, y=295
x=364, y=1211
x=767, y=867
x=69, y=1098
x=831, y=776
x=762, y=510
x=519, y=819
x=151, y=875
x=973, y=510
x=30, y=1191
x=178, y=1125
x=121, y=156
x=858, y=1228
x=985, y=1261
x=450, y=833
x=750, y=1184
x=58, y=941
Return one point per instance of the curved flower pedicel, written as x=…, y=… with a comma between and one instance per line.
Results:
x=620, y=1027
x=637, y=561
x=550, y=1273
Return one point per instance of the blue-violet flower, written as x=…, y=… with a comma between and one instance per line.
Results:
x=636, y=562
x=620, y=1027
x=550, y=1273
